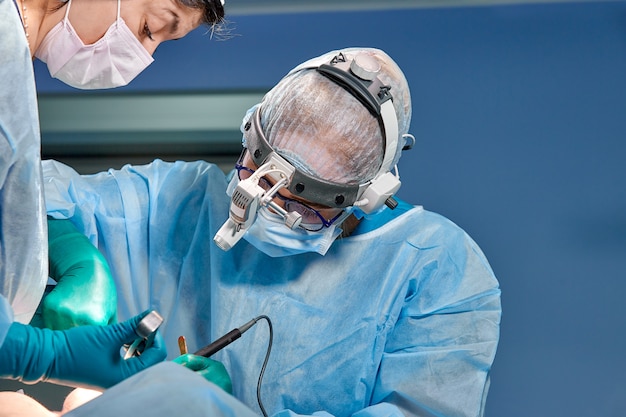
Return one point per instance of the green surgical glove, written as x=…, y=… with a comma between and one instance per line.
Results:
x=85, y=292
x=85, y=356
x=212, y=370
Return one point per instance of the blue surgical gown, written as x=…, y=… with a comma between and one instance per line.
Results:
x=23, y=235
x=401, y=318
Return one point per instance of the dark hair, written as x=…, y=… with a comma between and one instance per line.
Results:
x=213, y=11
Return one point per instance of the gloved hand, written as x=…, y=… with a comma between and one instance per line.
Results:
x=85, y=292
x=212, y=370
x=84, y=356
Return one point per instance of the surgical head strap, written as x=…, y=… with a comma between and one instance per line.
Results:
x=359, y=76
x=300, y=184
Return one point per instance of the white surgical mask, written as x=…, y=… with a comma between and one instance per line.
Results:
x=269, y=234
x=112, y=61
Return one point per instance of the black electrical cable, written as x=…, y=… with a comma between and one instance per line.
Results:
x=267, y=356
x=235, y=334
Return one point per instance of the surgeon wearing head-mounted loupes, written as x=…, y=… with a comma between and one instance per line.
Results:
x=310, y=172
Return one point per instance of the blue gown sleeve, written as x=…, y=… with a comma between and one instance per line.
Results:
x=447, y=331
x=23, y=239
x=439, y=353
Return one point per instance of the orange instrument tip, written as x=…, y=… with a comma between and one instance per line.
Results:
x=182, y=345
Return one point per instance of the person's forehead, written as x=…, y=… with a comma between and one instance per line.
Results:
x=184, y=17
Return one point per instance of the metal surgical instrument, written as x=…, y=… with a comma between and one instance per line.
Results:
x=145, y=330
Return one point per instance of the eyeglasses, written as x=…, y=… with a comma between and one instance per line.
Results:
x=312, y=220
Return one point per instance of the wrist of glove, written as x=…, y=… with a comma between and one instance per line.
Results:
x=85, y=292
x=211, y=370
x=85, y=356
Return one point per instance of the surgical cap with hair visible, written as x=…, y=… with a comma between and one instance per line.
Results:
x=322, y=129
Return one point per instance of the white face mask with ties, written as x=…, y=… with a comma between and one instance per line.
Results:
x=112, y=61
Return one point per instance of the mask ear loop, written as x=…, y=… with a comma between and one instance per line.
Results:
x=67, y=13
x=346, y=213
x=119, y=4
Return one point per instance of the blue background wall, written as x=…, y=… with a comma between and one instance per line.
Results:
x=520, y=119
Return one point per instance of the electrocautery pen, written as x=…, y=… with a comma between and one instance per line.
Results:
x=225, y=340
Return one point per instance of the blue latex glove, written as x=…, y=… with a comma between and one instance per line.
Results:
x=210, y=369
x=85, y=356
x=85, y=292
